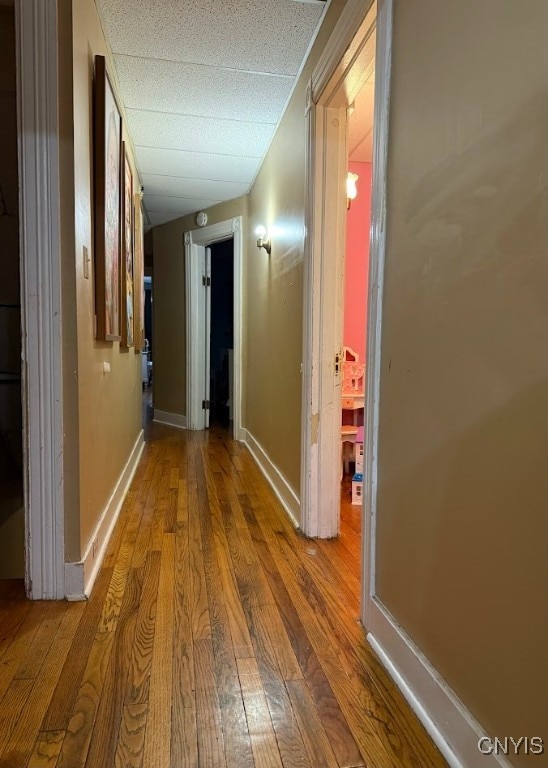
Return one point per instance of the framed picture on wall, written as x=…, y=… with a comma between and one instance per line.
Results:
x=138, y=274
x=107, y=168
x=127, y=262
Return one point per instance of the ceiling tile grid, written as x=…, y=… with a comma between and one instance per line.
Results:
x=176, y=205
x=177, y=186
x=196, y=165
x=250, y=35
x=171, y=86
x=204, y=84
x=162, y=218
x=199, y=134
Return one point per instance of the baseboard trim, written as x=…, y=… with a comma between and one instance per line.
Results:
x=172, y=419
x=80, y=577
x=450, y=725
x=285, y=494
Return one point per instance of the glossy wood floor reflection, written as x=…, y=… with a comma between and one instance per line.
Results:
x=215, y=636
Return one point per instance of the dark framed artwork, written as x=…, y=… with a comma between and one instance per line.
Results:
x=107, y=168
x=127, y=266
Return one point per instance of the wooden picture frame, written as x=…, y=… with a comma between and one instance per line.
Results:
x=138, y=274
x=107, y=193
x=127, y=293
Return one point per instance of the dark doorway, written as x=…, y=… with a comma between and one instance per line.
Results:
x=222, y=334
x=12, y=515
x=146, y=355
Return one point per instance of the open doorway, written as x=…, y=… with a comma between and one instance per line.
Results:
x=147, y=352
x=354, y=331
x=214, y=372
x=221, y=335
x=346, y=68
x=12, y=515
x=359, y=47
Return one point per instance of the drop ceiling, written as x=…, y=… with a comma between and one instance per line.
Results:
x=204, y=84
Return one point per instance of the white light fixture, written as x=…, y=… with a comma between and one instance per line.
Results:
x=351, y=188
x=262, y=240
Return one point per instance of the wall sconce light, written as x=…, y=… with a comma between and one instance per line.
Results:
x=262, y=240
x=351, y=188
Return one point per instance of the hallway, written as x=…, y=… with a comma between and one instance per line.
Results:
x=215, y=635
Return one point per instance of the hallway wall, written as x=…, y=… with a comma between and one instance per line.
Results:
x=275, y=283
x=109, y=405
x=462, y=497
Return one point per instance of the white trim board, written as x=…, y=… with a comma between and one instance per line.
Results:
x=39, y=208
x=195, y=241
x=450, y=725
x=377, y=249
x=80, y=577
x=172, y=419
x=285, y=494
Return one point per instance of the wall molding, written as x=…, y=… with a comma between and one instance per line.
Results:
x=173, y=419
x=80, y=577
x=285, y=494
x=352, y=17
x=450, y=725
x=40, y=240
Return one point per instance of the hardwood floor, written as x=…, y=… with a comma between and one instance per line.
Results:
x=215, y=636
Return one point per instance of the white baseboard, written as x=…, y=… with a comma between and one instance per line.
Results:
x=172, y=419
x=450, y=725
x=286, y=495
x=80, y=576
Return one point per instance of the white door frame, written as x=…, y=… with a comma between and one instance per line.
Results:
x=377, y=250
x=346, y=64
x=40, y=244
x=195, y=319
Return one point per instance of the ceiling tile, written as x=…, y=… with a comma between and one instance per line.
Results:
x=255, y=35
x=178, y=205
x=170, y=86
x=204, y=84
x=196, y=165
x=199, y=134
x=179, y=187
x=155, y=219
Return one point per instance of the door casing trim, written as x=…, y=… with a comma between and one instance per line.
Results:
x=41, y=309
x=195, y=312
x=346, y=63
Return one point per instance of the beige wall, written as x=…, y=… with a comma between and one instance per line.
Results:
x=169, y=322
x=109, y=405
x=463, y=497
x=275, y=283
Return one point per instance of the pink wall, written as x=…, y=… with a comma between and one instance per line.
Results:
x=357, y=261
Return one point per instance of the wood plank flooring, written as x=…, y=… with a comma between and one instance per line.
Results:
x=216, y=635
